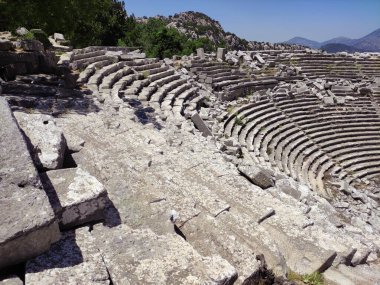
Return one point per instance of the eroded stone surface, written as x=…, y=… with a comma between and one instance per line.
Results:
x=26, y=214
x=257, y=175
x=47, y=140
x=76, y=196
x=73, y=260
x=142, y=257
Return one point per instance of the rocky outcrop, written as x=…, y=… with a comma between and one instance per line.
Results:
x=197, y=25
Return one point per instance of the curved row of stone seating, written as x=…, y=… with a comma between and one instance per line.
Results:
x=307, y=140
x=163, y=89
x=150, y=81
x=81, y=58
x=335, y=66
x=335, y=129
x=216, y=74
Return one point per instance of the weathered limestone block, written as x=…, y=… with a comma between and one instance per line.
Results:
x=201, y=53
x=72, y=260
x=47, y=140
x=28, y=225
x=259, y=58
x=289, y=187
x=340, y=100
x=5, y=45
x=142, y=257
x=58, y=37
x=257, y=175
x=21, y=31
x=200, y=124
x=328, y=101
x=221, y=53
x=11, y=280
x=76, y=196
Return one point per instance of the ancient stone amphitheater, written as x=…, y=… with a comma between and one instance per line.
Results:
x=223, y=168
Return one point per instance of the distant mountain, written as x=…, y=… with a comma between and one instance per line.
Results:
x=339, y=47
x=340, y=40
x=370, y=42
x=304, y=42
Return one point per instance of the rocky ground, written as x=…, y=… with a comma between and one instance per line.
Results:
x=140, y=184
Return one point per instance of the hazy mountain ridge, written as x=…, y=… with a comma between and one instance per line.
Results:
x=370, y=42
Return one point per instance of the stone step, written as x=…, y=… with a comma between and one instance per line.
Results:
x=148, y=67
x=185, y=96
x=160, y=75
x=175, y=261
x=169, y=99
x=95, y=53
x=76, y=196
x=25, y=209
x=121, y=85
x=24, y=89
x=83, y=63
x=109, y=80
x=165, y=89
x=91, y=69
x=74, y=259
x=166, y=80
x=348, y=275
x=100, y=74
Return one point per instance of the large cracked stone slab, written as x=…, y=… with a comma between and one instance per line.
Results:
x=142, y=257
x=200, y=124
x=73, y=260
x=77, y=197
x=47, y=140
x=359, y=275
x=257, y=175
x=27, y=225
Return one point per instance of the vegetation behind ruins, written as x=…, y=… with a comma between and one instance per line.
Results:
x=98, y=22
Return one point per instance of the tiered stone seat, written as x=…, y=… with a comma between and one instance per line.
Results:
x=307, y=139
x=336, y=66
x=105, y=77
x=82, y=58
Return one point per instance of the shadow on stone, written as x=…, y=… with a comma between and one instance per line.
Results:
x=111, y=215
x=62, y=254
x=14, y=270
x=146, y=116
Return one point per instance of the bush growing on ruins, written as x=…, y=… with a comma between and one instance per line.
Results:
x=157, y=40
x=315, y=278
x=41, y=36
x=239, y=120
x=230, y=109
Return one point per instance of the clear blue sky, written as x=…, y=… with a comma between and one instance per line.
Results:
x=276, y=20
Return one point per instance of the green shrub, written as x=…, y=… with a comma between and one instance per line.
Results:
x=121, y=43
x=239, y=120
x=315, y=278
x=39, y=35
